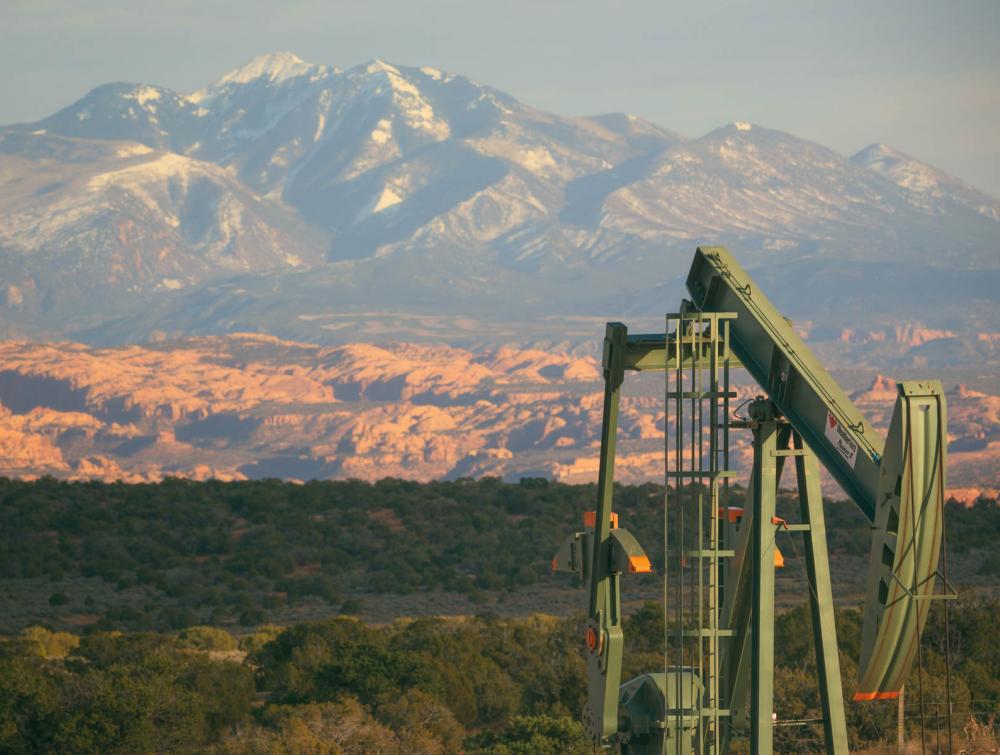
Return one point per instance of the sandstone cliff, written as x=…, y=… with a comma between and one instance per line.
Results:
x=255, y=406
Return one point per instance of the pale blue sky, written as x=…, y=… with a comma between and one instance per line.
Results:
x=921, y=76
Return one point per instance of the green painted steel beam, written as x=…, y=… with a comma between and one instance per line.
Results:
x=821, y=599
x=781, y=363
x=604, y=633
x=765, y=490
x=658, y=351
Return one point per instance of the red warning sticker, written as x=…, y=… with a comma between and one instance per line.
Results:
x=841, y=439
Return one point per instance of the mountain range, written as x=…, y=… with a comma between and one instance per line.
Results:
x=385, y=201
x=301, y=271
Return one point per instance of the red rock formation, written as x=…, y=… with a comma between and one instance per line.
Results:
x=250, y=405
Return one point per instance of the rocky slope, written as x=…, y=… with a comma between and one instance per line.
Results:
x=120, y=217
x=287, y=193
x=255, y=406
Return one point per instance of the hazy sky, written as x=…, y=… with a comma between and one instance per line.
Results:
x=923, y=77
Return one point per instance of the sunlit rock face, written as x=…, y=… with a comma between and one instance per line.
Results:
x=255, y=406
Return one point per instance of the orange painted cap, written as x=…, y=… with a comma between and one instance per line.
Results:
x=590, y=519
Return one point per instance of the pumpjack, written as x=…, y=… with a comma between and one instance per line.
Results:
x=719, y=561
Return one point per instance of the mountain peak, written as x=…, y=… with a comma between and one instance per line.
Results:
x=922, y=179
x=877, y=148
x=899, y=167
x=746, y=131
x=272, y=66
x=377, y=65
x=878, y=151
x=742, y=130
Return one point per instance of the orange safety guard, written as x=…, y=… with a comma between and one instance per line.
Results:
x=639, y=565
x=590, y=519
x=731, y=513
x=865, y=696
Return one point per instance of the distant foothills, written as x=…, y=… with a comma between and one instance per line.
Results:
x=406, y=203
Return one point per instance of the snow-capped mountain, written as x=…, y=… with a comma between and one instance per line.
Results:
x=286, y=194
x=88, y=225
x=928, y=187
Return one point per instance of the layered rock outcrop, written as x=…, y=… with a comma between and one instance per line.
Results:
x=249, y=405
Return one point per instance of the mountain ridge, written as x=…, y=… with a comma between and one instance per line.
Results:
x=392, y=187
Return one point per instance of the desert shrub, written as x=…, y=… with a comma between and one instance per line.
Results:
x=206, y=638
x=533, y=735
x=253, y=642
x=344, y=727
x=118, y=694
x=48, y=644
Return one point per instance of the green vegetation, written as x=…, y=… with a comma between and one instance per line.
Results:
x=124, y=693
x=479, y=685
x=975, y=680
x=182, y=553
x=183, y=565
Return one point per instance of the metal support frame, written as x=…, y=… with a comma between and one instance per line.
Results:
x=765, y=489
x=689, y=695
x=821, y=598
x=706, y=678
x=718, y=579
x=604, y=606
x=697, y=395
x=771, y=438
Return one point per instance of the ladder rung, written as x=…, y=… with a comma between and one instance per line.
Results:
x=701, y=394
x=701, y=474
x=707, y=712
x=703, y=633
x=710, y=554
